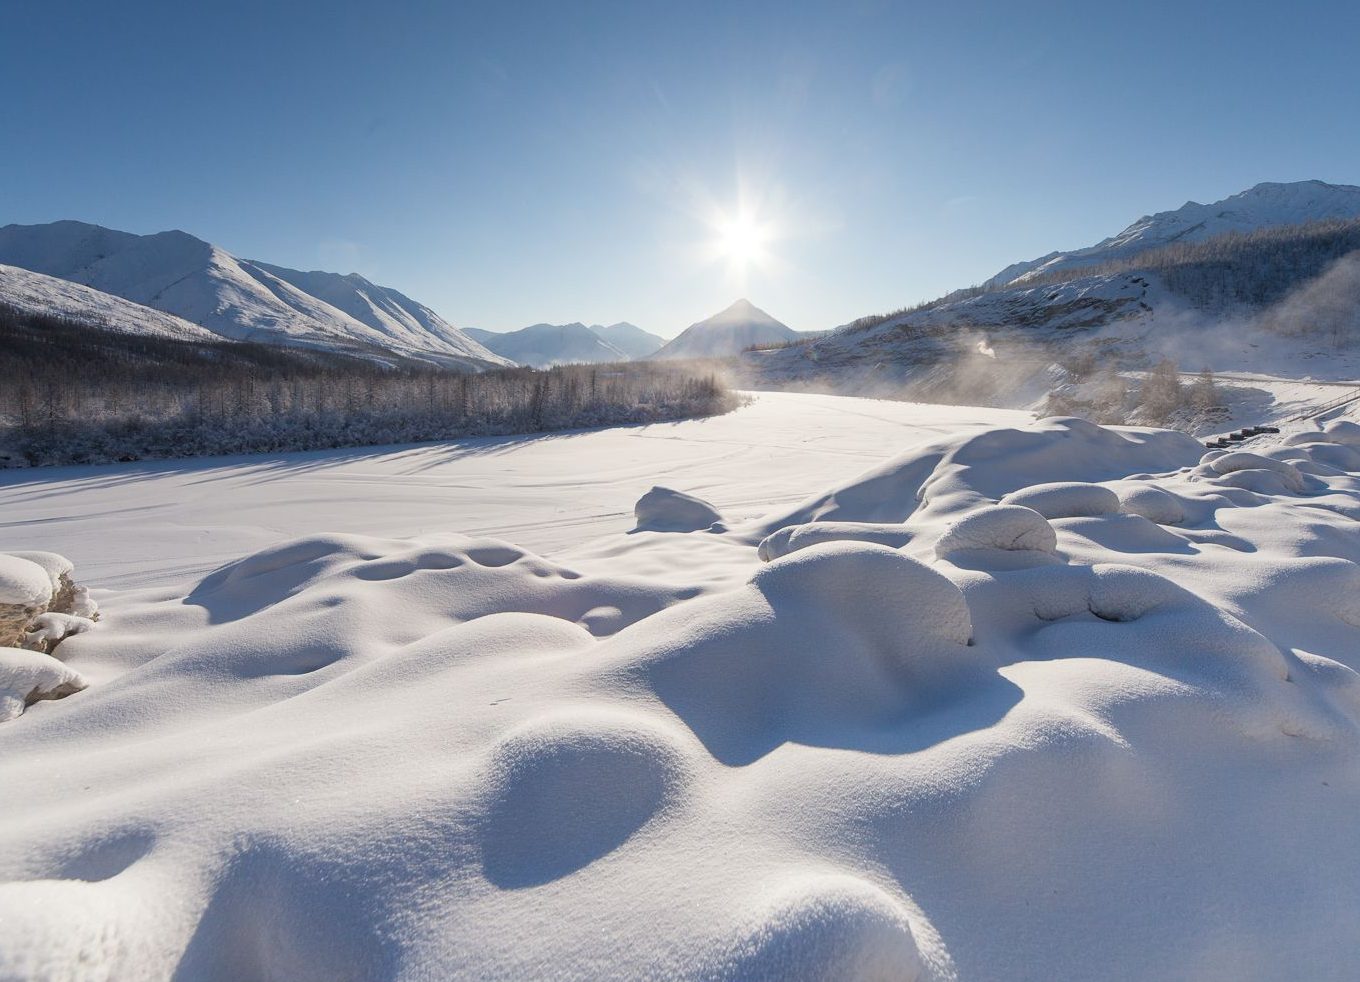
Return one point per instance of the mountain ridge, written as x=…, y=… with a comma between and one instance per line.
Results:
x=242, y=299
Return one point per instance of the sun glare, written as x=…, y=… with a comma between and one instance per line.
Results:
x=741, y=240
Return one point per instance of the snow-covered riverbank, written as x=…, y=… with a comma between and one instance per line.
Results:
x=1090, y=712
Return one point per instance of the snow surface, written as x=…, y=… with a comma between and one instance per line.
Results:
x=1072, y=747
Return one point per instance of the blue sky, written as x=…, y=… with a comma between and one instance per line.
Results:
x=517, y=162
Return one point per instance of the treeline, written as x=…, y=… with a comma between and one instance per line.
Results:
x=73, y=393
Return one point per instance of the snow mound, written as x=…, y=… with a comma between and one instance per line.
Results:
x=23, y=582
x=1011, y=528
x=1254, y=472
x=28, y=676
x=1065, y=499
x=666, y=510
x=794, y=537
x=567, y=791
x=837, y=637
x=1151, y=502
x=828, y=926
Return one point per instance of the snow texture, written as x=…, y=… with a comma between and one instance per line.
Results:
x=347, y=756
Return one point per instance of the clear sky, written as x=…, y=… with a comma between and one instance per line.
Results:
x=508, y=163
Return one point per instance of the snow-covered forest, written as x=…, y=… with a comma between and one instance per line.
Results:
x=79, y=395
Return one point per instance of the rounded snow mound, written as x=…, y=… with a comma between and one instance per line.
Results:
x=667, y=510
x=1254, y=472
x=1011, y=528
x=29, y=676
x=837, y=638
x=791, y=538
x=24, y=583
x=567, y=790
x=1066, y=499
x=838, y=575
x=821, y=927
x=1343, y=431
x=1153, y=503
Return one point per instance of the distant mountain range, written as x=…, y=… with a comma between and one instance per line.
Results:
x=238, y=299
x=544, y=345
x=727, y=333
x=724, y=335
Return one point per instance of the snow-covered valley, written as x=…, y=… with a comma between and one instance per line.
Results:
x=945, y=693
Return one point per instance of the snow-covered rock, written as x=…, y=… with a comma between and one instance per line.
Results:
x=29, y=676
x=667, y=510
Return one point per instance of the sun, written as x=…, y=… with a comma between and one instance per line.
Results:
x=741, y=240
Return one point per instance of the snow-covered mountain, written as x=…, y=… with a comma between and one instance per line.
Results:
x=727, y=333
x=632, y=340
x=1262, y=206
x=241, y=299
x=1279, y=296
x=30, y=292
x=544, y=345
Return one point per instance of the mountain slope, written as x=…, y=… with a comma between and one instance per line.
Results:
x=1263, y=206
x=632, y=340
x=1275, y=299
x=239, y=299
x=727, y=333
x=544, y=345
x=36, y=293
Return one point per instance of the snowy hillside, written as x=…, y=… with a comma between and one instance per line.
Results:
x=1274, y=301
x=1022, y=701
x=1265, y=205
x=240, y=299
x=32, y=292
x=544, y=345
x=727, y=333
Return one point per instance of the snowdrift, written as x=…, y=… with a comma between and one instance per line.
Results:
x=1053, y=702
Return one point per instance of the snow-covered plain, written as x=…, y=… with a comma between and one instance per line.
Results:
x=932, y=699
